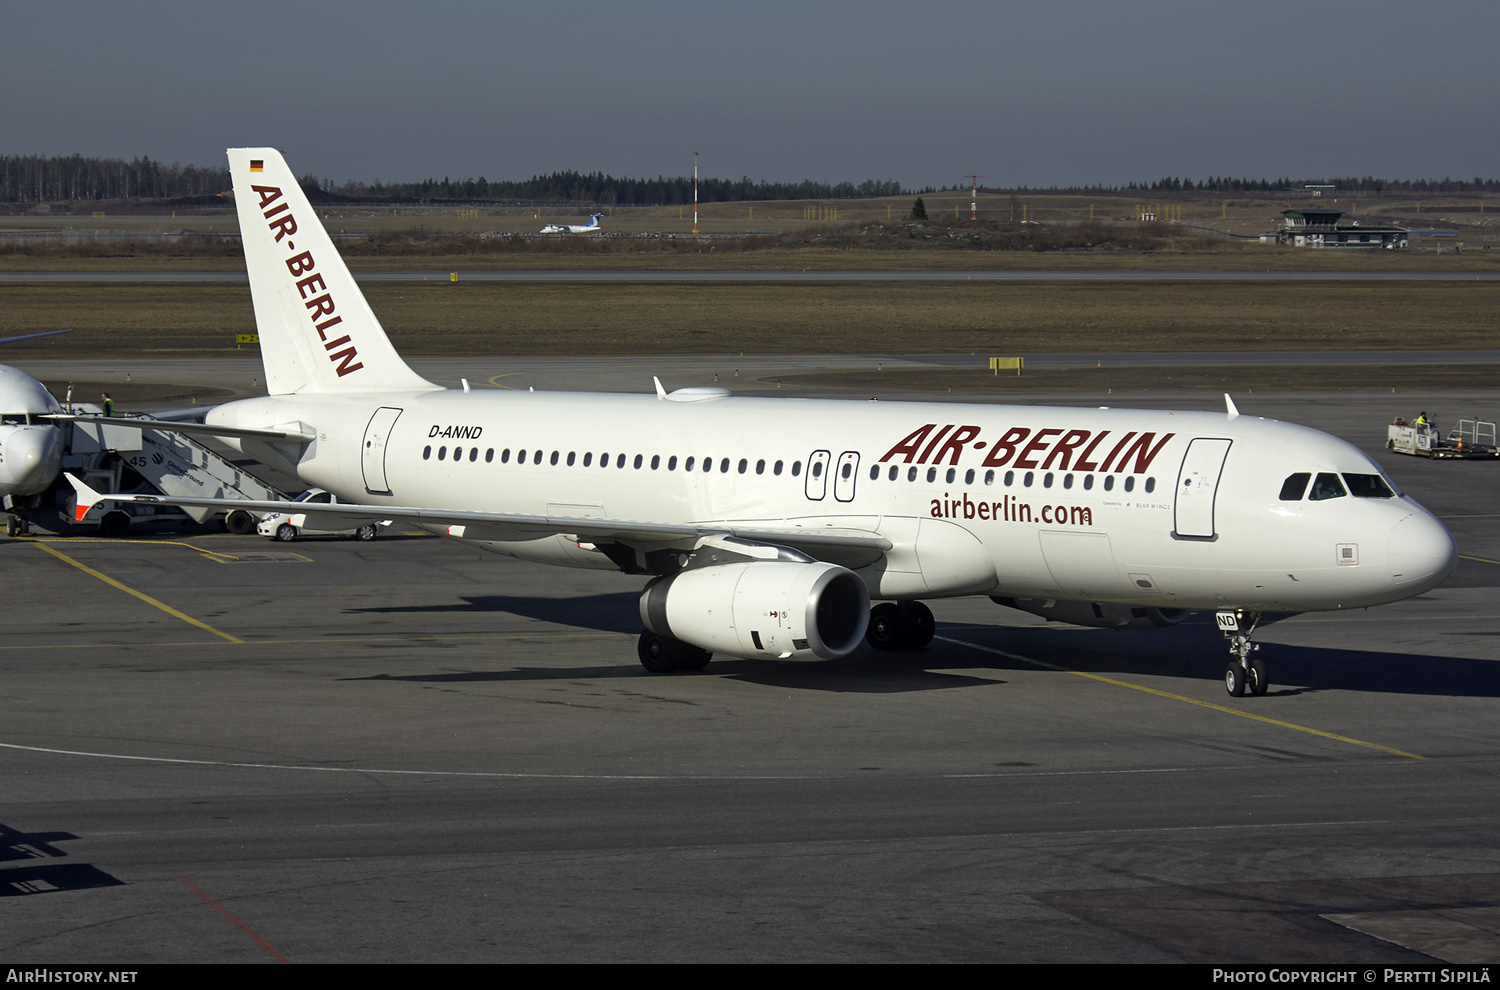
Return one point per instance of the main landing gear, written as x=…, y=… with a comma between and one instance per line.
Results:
x=900, y=626
x=1244, y=674
x=663, y=654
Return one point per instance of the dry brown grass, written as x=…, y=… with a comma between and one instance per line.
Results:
x=498, y=318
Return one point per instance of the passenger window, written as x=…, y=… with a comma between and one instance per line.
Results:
x=1010, y=478
x=1368, y=486
x=817, y=469
x=989, y=477
x=473, y=454
x=894, y=473
x=1067, y=481
x=760, y=467
x=655, y=461
x=1088, y=482
x=1130, y=484
x=969, y=476
x=588, y=458
x=796, y=468
x=1327, y=486
x=931, y=475
x=427, y=452
x=952, y=473
x=1150, y=485
x=536, y=458
x=1047, y=480
x=639, y=460
x=505, y=456
x=1109, y=482
x=848, y=469
x=687, y=465
x=1295, y=486
x=571, y=458
x=1027, y=480
x=672, y=463
x=620, y=460
x=724, y=466
x=553, y=459
x=776, y=469
x=911, y=474
x=442, y=453
x=489, y=456
x=458, y=453
x=743, y=464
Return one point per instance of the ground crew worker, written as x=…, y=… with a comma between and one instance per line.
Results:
x=109, y=405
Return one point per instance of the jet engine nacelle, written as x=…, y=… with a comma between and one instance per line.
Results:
x=1100, y=614
x=784, y=609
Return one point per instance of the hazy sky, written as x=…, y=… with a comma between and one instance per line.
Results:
x=1071, y=91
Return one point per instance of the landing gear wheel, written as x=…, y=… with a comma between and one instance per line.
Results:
x=1234, y=679
x=365, y=533
x=890, y=627
x=923, y=625
x=239, y=522
x=12, y=526
x=657, y=653
x=1259, y=681
x=286, y=533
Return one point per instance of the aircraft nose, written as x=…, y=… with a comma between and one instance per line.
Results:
x=1422, y=553
x=32, y=459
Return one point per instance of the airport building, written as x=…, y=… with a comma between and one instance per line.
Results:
x=1321, y=228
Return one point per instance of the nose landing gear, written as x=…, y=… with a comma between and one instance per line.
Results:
x=1244, y=674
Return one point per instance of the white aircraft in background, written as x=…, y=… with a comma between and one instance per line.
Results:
x=592, y=227
x=766, y=526
x=31, y=444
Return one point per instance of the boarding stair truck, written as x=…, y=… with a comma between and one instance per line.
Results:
x=170, y=462
x=1472, y=440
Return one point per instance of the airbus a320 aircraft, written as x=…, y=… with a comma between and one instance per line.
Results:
x=766, y=526
x=592, y=227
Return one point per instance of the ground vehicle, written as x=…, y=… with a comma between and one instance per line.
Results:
x=1474, y=439
x=287, y=526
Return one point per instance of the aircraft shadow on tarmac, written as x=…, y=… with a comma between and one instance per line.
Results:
x=1193, y=651
x=46, y=877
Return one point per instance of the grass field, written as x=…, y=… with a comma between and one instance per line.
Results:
x=499, y=318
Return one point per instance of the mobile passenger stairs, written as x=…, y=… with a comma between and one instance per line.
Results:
x=1473, y=440
x=112, y=457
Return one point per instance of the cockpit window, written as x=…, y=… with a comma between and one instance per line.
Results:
x=1368, y=486
x=1293, y=487
x=1327, y=485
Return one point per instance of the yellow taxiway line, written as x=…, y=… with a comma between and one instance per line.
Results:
x=137, y=594
x=1191, y=701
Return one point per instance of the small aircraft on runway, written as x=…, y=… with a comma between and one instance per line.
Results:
x=592, y=227
x=766, y=526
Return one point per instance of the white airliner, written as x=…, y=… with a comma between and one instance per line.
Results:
x=592, y=227
x=31, y=445
x=766, y=526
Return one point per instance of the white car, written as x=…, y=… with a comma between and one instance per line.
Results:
x=287, y=526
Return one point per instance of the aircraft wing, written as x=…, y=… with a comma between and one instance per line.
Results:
x=510, y=526
x=177, y=426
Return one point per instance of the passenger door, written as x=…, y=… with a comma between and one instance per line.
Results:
x=372, y=453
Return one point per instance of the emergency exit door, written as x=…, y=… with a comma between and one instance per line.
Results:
x=372, y=452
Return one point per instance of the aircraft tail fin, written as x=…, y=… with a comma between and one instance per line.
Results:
x=317, y=333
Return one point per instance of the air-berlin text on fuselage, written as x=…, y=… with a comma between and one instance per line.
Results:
x=1021, y=447
x=320, y=307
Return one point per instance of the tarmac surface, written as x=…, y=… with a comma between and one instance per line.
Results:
x=224, y=749
x=778, y=276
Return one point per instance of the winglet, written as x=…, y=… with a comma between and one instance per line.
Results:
x=1229, y=406
x=661, y=393
x=87, y=497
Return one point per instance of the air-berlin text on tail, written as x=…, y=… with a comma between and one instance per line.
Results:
x=1021, y=447
x=310, y=285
